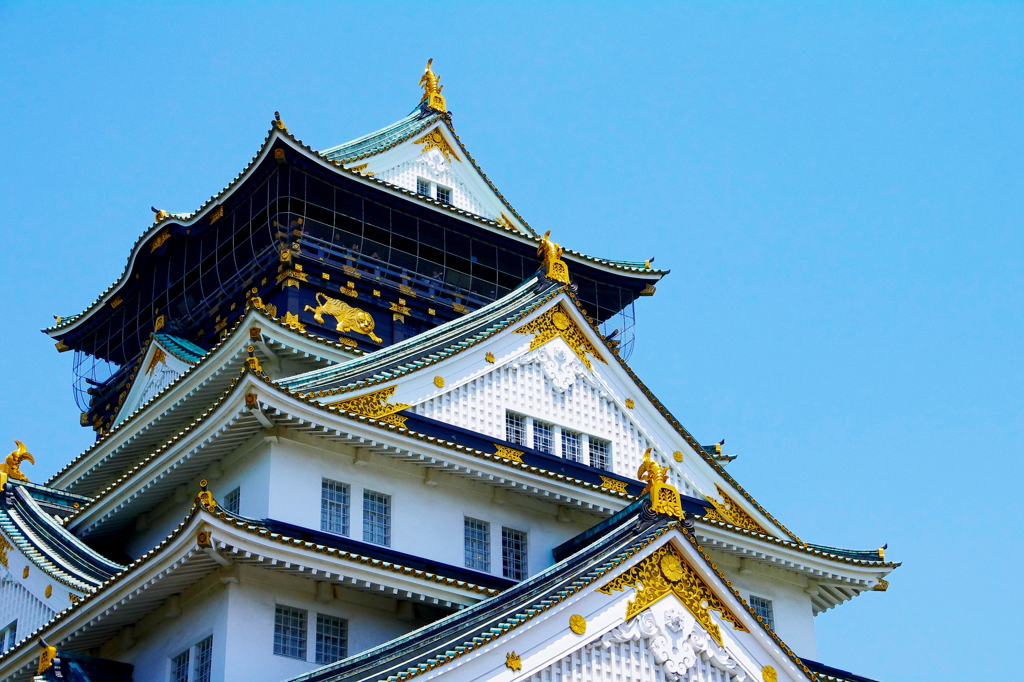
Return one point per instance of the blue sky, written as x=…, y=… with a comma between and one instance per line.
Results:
x=837, y=189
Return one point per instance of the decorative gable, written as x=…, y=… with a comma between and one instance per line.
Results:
x=159, y=368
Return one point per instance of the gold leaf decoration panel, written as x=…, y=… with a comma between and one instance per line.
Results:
x=666, y=572
x=376, y=405
x=727, y=511
x=557, y=323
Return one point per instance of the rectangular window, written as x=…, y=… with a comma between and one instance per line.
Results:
x=572, y=446
x=600, y=454
x=763, y=608
x=422, y=187
x=179, y=667
x=377, y=518
x=290, y=632
x=331, y=638
x=444, y=195
x=334, y=497
x=8, y=637
x=204, y=661
x=544, y=437
x=515, y=428
x=478, y=544
x=513, y=554
x=232, y=500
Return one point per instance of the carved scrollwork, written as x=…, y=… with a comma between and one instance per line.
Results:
x=557, y=323
x=727, y=511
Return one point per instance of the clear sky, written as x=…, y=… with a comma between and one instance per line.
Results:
x=837, y=189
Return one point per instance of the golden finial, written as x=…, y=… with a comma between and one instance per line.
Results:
x=158, y=214
x=551, y=258
x=12, y=465
x=429, y=81
x=663, y=495
x=278, y=123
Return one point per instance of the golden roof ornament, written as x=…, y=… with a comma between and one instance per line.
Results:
x=551, y=259
x=664, y=496
x=12, y=465
x=430, y=82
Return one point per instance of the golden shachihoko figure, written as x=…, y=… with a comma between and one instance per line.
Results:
x=12, y=465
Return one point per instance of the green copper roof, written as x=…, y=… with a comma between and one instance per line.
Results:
x=385, y=138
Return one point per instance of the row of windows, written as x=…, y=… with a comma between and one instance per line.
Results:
x=291, y=635
x=434, y=191
x=513, y=549
x=558, y=441
x=334, y=512
x=194, y=664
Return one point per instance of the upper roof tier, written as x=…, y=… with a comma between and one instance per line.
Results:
x=404, y=215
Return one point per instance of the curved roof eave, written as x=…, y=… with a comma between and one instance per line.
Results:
x=73, y=322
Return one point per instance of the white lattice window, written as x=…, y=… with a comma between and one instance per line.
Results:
x=423, y=187
x=232, y=501
x=331, y=638
x=334, y=506
x=194, y=664
x=763, y=608
x=513, y=554
x=572, y=445
x=478, y=544
x=8, y=636
x=444, y=194
x=600, y=453
x=377, y=518
x=544, y=436
x=289, y=632
x=515, y=428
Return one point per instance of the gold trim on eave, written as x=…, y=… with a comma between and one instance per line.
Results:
x=727, y=511
x=435, y=140
x=557, y=323
x=375, y=405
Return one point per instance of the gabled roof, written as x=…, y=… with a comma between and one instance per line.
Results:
x=46, y=543
x=381, y=140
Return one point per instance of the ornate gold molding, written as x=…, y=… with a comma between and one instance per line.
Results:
x=513, y=662
x=666, y=572
x=557, y=323
x=727, y=511
x=508, y=453
x=663, y=495
x=4, y=547
x=159, y=240
x=158, y=356
x=768, y=674
x=435, y=140
x=375, y=405
x=578, y=624
x=613, y=484
x=12, y=465
x=292, y=320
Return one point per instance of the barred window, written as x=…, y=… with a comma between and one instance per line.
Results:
x=763, y=608
x=423, y=187
x=600, y=454
x=204, y=661
x=571, y=445
x=331, y=638
x=334, y=496
x=377, y=518
x=444, y=195
x=544, y=437
x=290, y=632
x=232, y=501
x=515, y=428
x=179, y=667
x=513, y=554
x=478, y=544
x=8, y=636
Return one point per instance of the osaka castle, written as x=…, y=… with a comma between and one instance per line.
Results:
x=357, y=420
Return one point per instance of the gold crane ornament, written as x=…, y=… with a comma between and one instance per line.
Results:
x=12, y=465
x=430, y=82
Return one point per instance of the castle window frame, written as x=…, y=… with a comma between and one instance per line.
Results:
x=290, y=632
x=560, y=441
x=331, y=638
x=423, y=187
x=514, y=558
x=335, y=506
x=443, y=194
x=478, y=544
x=763, y=608
x=376, y=518
x=233, y=500
x=194, y=664
x=9, y=636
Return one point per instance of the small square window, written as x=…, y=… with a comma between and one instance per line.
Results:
x=544, y=437
x=8, y=637
x=763, y=608
x=513, y=554
x=290, y=632
x=478, y=544
x=331, y=638
x=600, y=454
x=232, y=501
x=444, y=194
x=334, y=496
x=423, y=187
x=377, y=518
x=572, y=446
x=515, y=428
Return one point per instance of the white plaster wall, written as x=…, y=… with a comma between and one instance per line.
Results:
x=427, y=520
x=17, y=603
x=248, y=468
x=433, y=166
x=250, y=623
